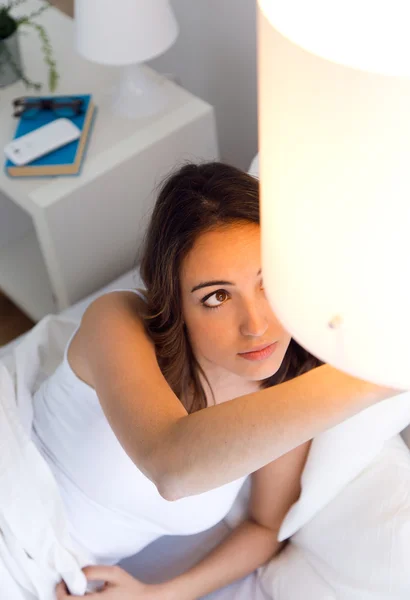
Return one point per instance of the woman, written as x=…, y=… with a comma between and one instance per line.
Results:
x=121, y=421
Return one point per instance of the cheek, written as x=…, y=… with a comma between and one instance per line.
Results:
x=286, y=338
x=280, y=332
x=209, y=335
x=285, y=341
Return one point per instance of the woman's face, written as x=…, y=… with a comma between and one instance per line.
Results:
x=230, y=323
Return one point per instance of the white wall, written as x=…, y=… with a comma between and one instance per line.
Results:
x=215, y=58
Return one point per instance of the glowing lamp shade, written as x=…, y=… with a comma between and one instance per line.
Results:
x=334, y=126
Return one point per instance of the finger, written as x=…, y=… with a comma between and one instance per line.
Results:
x=61, y=592
x=113, y=575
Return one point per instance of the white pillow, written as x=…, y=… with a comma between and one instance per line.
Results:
x=358, y=546
x=339, y=454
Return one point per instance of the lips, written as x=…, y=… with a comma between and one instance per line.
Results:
x=260, y=354
x=257, y=348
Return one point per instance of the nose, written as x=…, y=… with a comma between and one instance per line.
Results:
x=254, y=321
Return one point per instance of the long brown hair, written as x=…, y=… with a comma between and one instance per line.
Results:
x=195, y=199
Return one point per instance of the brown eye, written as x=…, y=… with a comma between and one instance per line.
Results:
x=220, y=296
x=216, y=299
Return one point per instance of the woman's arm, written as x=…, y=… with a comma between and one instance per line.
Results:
x=250, y=545
x=189, y=454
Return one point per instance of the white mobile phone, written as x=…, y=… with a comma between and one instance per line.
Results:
x=41, y=141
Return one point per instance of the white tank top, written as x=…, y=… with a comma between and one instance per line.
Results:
x=114, y=510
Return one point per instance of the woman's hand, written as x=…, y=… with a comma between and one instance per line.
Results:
x=119, y=585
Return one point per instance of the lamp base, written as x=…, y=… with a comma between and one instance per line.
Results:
x=139, y=94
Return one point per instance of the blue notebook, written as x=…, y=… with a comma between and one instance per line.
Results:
x=66, y=160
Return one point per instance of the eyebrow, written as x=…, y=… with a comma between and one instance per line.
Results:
x=216, y=282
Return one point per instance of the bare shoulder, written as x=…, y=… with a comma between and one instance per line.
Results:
x=112, y=317
x=117, y=304
x=113, y=354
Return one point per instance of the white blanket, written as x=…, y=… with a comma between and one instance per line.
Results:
x=36, y=550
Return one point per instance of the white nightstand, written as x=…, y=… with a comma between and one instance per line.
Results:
x=63, y=238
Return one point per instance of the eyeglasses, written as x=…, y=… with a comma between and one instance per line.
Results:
x=27, y=107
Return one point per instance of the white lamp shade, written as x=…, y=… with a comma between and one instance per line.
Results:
x=335, y=179
x=123, y=32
